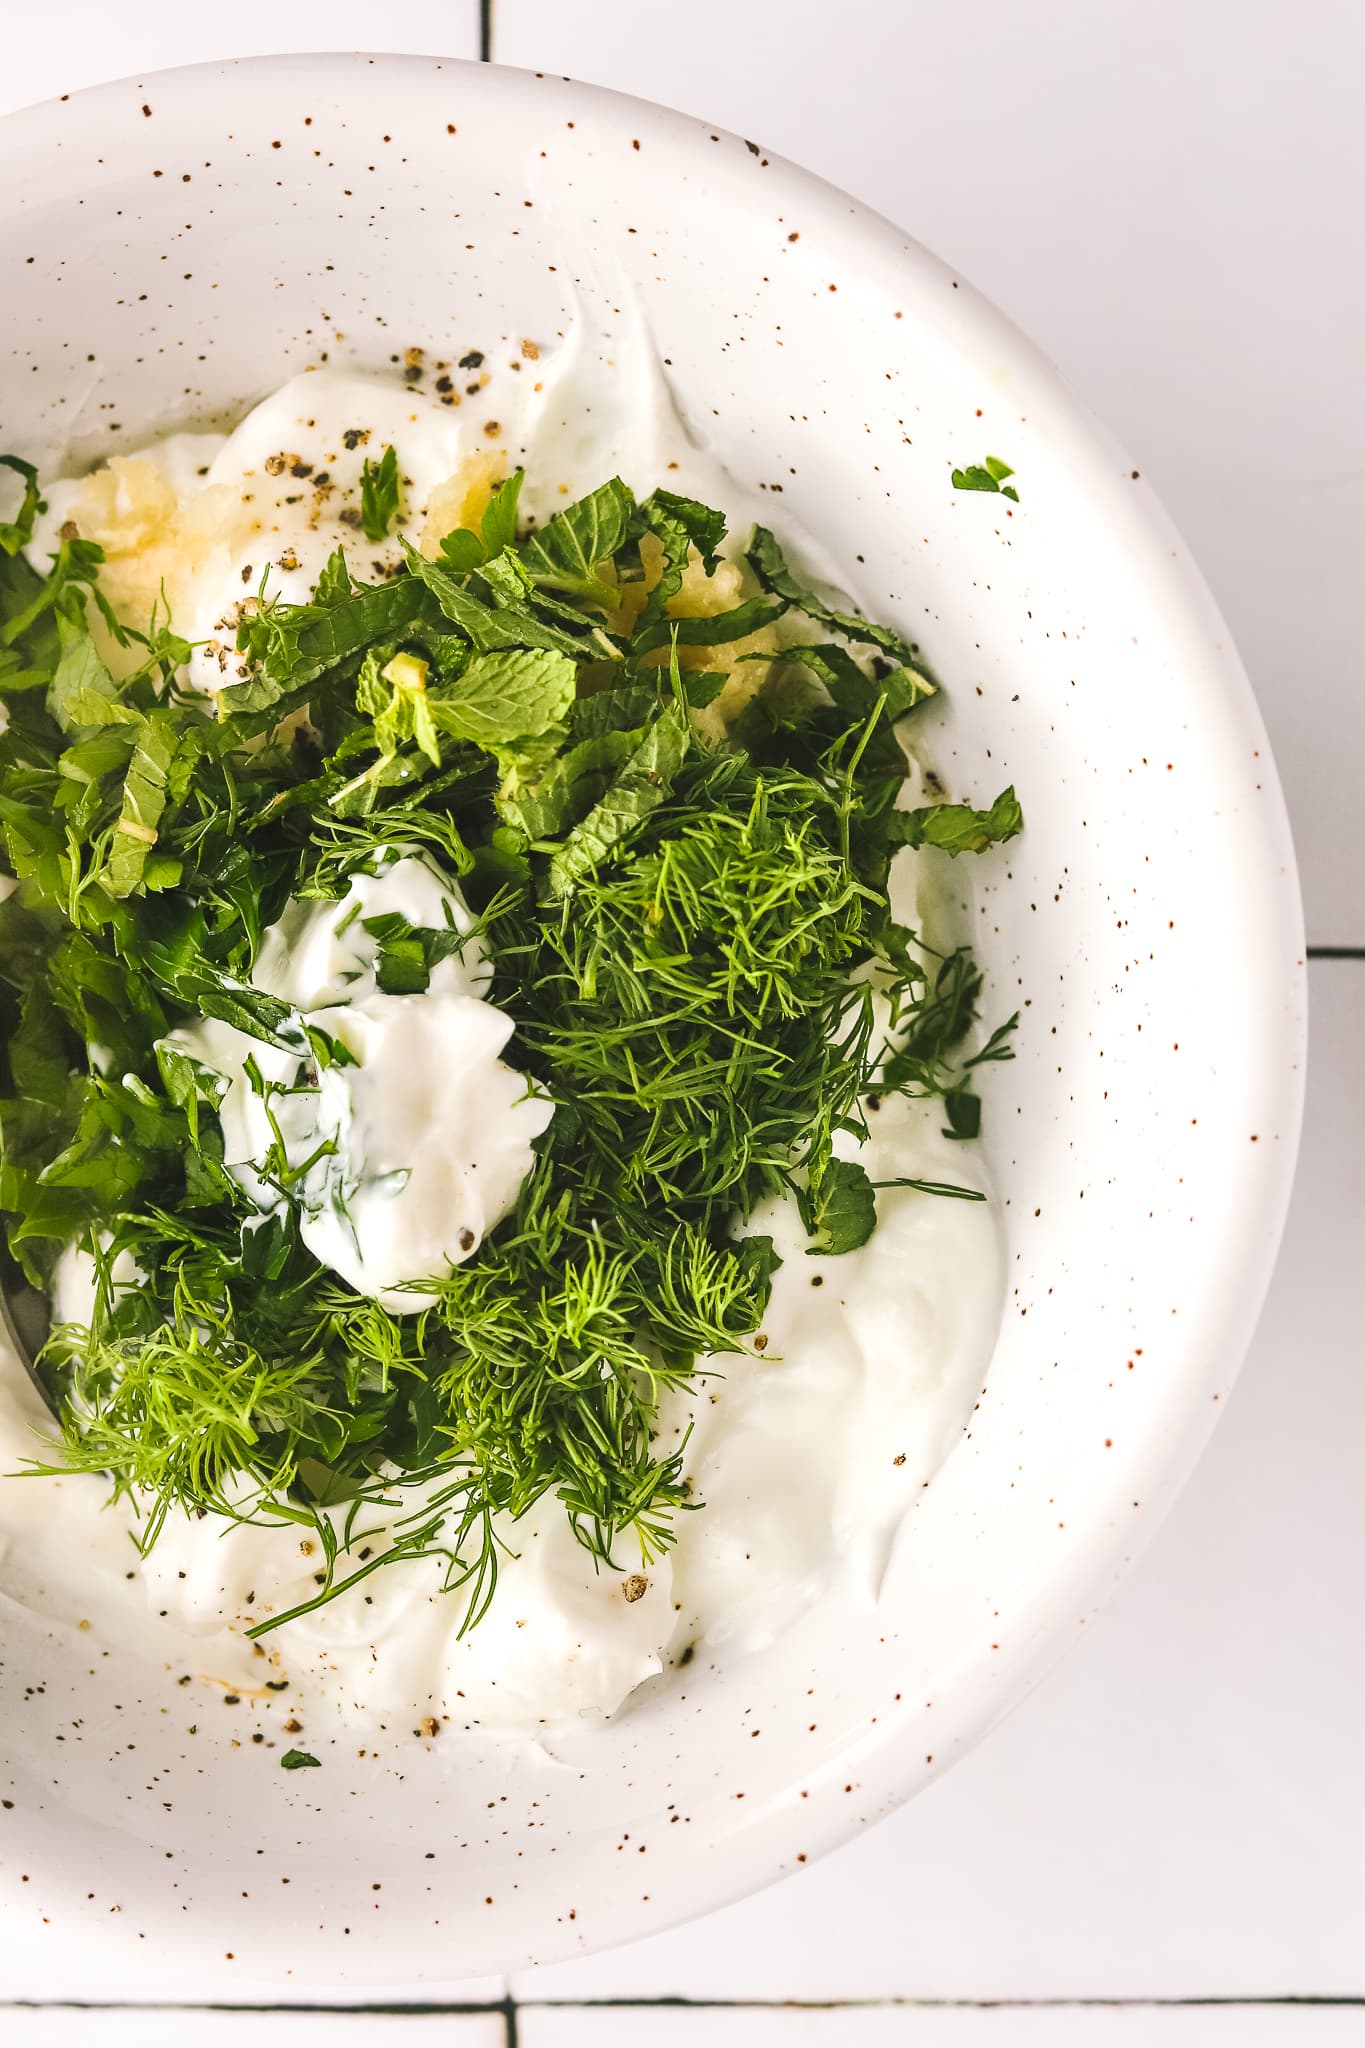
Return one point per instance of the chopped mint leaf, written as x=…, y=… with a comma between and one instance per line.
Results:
x=957, y=828
x=257, y=693
x=395, y=696
x=674, y=540
x=641, y=786
x=335, y=582
x=760, y=1259
x=963, y=1110
x=488, y=628
x=857, y=694
x=715, y=631
x=327, y=1049
x=16, y=533
x=499, y=699
x=679, y=525
x=379, y=495
x=465, y=550
x=627, y=708
x=552, y=796
x=701, y=687
x=769, y=564
x=83, y=693
x=564, y=554
x=406, y=956
x=843, y=1210
x=704, y=528
x=295, y=644
x=299, y=1760
x=17, y=677
x=508, y=580
x=29, y=597
x=188, y=1083
x=498, y=527
x=144, y=799
x=988, y=477
x=181, y=968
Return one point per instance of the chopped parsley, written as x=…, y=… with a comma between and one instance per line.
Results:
x=687, y=919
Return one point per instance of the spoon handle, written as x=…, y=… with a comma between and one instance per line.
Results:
x=25, y=1319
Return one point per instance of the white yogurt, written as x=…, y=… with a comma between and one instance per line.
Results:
x=806, y=1456
x=261, y=509
x=418, y=1148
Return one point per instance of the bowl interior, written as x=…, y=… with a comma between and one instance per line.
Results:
x=191, y=241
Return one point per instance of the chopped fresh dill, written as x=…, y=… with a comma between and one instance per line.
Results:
x=686, y=915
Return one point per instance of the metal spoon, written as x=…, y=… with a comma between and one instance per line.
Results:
x=25, y=1319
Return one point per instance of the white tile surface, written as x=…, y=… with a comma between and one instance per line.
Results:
x=87, y=41
x=920, y=2027
x=30, y=1978
x=35, y=1974
x=1162, y=195
x=1180, y=1809
x=65, y=2027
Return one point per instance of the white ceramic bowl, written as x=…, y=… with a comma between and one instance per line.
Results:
x=171, y=249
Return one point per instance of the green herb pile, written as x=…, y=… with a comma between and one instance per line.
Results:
x=680, y=926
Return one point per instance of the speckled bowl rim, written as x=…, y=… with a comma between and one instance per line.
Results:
x=757, y=1855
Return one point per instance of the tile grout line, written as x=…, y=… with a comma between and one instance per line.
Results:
x=510, y=2008
x=416, y=2010
x=679, y=2003
x=930, y=2006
